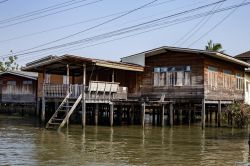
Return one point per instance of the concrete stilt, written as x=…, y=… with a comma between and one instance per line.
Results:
x=219, y=113
x=96, y=114
x=111, y=114
x=171, y=114
x=203, y=114
x=43, y=110
x=163, y=115
x=143, y=114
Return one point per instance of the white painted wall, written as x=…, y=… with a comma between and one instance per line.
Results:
x=138, y=59
x=247, y=90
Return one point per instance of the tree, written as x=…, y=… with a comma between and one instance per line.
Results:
x=9, y=64
x=214, y=46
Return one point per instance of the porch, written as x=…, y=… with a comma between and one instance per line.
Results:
x=95, y=92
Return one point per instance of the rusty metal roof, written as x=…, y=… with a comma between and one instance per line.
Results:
x=57, y=64
x=217, y=55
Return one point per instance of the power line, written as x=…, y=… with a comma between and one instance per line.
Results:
x=177, y=21
x=200, y=25
x=93, y=27
x=73, y=24
x=219, y=23
x=60, y=11
x=49, y=8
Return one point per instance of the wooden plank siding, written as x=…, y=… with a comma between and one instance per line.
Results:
x=198, y=88
x=18, y=92
x=194, y=91
x=221, y=92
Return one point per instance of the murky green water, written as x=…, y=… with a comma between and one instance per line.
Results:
x=22, y=142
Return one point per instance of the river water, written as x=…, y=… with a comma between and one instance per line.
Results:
x=23, y=142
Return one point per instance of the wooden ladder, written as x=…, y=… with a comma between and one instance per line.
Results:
x=63, y=112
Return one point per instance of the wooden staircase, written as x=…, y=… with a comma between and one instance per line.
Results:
x=63, y=112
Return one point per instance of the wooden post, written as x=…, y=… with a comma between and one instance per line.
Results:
x=113, y=75
x=162, y=115
x=96, y=114
x=132, y=114
x=43, y=98
x=171, y=114
x=111, y=114
x=219, y=113
x=37, y=106
x=143, y=114
x=153, y=116
x=84, y=97
x=67, y=81
x=43, y=109
x=203, y=114
x=181, y=116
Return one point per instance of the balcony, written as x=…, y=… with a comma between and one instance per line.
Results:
x=97, y=91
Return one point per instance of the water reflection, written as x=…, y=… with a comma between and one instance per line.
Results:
x=24, y=144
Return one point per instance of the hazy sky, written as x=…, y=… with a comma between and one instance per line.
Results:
x=233, y=33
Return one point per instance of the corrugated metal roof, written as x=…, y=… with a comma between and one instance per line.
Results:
x=79, y=60
x=217, y=55
x=30, y=75
x=243, y=55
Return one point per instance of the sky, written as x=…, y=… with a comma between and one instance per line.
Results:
x=23, y=32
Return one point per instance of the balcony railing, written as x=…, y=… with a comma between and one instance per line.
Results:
x=97, y=90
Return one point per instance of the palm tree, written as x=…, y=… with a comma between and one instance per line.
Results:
x=217, y=47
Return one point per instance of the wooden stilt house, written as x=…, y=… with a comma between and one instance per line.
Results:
x=191, y=78
x=73, y=81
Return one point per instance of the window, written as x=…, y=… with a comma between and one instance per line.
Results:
x=212, y=76
x=239, y=81
x=172, y=76
x=47, y=78
x=11, y=87
x=27, y=87
x=227, y=79
x=27, y=82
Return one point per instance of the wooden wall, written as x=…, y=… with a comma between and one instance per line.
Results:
x=219, y=92
x=194, y=91
x=19, y=93
x=199, y=88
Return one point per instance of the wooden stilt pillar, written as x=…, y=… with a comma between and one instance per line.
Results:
x=153, y=121
x=96, y=114
x=211, y=117
x=84, y=97
x=37, y=107
x=189, y=116
x=181, y=116
x=163, y=115
x=203, y=114
x=143, y=114
x=111, y=114
x=43, y=109
x=171, y=114
x=219, y=113
x=131, y=112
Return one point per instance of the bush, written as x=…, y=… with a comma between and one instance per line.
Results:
x=240, y=113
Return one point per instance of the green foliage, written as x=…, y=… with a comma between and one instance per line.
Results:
x=240, y=113
x=9, y=64
x=214, y=47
